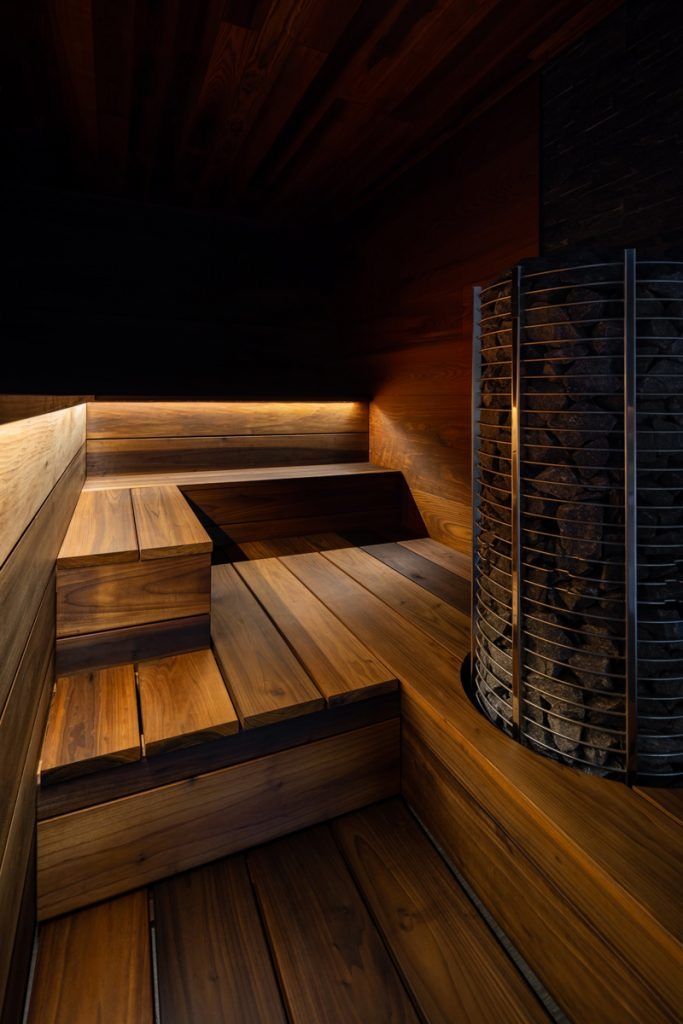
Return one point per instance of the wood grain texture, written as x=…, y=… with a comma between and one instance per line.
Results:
x=28, y=569
x=95, y=966
x=221, y=419
x=443, y=583
x=449, y=959
x=22, y=943
x=445, y=624
x=132, y=643
x=93, y=724
x=183, y=700
x=276, y=546
x=105, y=597
x=33, y=455
x=166, y=525
x=363, y=517
x=187, y=480
x=24, y=407
x=21, y=835
x=342, y=668
x=17, y=721
x=174, y=454
x=101, y=851
x=213, y=958
x=265, y=680
x=669, y=801
x=187, y=762
x=101, y=530
x=519, y=897
x=331, y=962
x=457, y=561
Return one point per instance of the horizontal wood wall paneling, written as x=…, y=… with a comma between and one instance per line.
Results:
x=341, y=666
x=132, y=643
x=93, y=724
x=102, y=530
x=18, y=718
x=28, y=569
x=111, y=596
x=22, y=407
x=544, y=926
x=187, y=762
x=95, y=965
x=266, y=681
x=222, y=419
x=135, y=455
x=33, y=455
x=332, y=965
x=166, y=525
x=22, y=944
x=447, y=520
x=21, y=835
x=448, y=957
x=212, y=954
x=96, y=853
x=183, y=700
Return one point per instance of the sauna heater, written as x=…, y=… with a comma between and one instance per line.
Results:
x=577, y=625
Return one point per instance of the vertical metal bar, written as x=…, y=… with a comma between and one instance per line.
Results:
x=476, y=488
x=515, y=505
x=630, y=510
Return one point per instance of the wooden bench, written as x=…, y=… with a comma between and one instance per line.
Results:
x=133, y=578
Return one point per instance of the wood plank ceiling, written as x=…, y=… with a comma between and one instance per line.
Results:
x=271, y=107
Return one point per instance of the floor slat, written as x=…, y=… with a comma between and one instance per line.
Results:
x=441, y=582
x=341, y=666
x=212, y=955
x=449, y=959
x=94, y=966
x=331, y=962
x=184, y=701
x=265, y=680
x=458, y=562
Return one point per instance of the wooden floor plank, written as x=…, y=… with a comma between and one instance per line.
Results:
x=265, y=680
x=95, y=966
x=443, y=583
x=183, y=700
x=668, y=801
x=331, y=962
x=341, y=666
x=93, y=723
x=166, y=524
x=439, y=620
x=102, y=851
x=449, y=959
x=102, y=530
x=213, y=959
x=458, y=562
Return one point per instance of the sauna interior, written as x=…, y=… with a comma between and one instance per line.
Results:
x=341, y=529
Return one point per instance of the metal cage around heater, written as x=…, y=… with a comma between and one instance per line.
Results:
x=577, y=618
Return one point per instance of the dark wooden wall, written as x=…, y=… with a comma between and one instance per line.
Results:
x=42, y=467
x=612, y=131
x=470, y=212
x=114, y=297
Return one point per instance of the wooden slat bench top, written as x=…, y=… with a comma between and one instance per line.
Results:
x=219, y=477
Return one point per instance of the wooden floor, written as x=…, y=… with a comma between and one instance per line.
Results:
x=358, y=921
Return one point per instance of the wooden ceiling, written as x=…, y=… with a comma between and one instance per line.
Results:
x=279, y=108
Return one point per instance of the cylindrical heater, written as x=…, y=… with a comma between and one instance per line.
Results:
x=577, y=624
